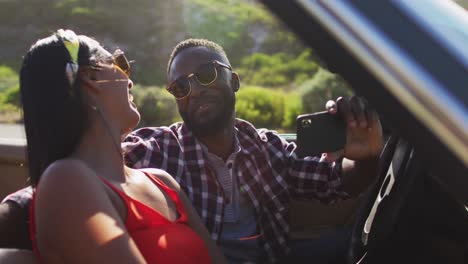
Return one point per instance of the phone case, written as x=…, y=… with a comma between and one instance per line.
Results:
x=318, y=133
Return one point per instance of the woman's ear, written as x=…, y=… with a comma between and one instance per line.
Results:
x=87, y=81
x=89, y=88
x=235, y=82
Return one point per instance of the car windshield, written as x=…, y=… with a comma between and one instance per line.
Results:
x=445, y=20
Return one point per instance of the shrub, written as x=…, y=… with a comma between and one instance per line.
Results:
x=9, y=112
x=12, y=96
x=8, y=78
x=156, y=106
x=260, y=106
x=9, y=96
x=293, y=108
x=263, y=107
x=322, y=87
x=267, y=108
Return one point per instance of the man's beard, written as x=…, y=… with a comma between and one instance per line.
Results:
x=214, y=125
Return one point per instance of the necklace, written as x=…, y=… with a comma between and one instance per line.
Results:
x=117, y=146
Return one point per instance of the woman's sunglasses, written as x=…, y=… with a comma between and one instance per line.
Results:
x=205, y=75
x=119, y=60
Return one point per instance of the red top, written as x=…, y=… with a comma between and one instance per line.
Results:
x=158, y=239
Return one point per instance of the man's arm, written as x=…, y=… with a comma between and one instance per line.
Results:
x=17, y=256
x=364, y=142
x=14, y=220
x=142, y=147
x=358, y=175
x=326, y=180
x=14, y=228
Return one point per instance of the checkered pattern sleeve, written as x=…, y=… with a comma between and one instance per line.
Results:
x=155, y=147
x=140, y=150
x=309, y=177
x=21, y=197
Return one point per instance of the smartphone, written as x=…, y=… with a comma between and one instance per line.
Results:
x=319, y=133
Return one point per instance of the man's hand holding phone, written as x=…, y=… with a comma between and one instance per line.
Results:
x=364, y=138
x=320, y=132
x=353, y=120
x=348, y=126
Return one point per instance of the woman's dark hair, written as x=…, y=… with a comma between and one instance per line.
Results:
x=55, y=112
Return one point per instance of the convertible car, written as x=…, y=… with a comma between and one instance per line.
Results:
x=409, y=59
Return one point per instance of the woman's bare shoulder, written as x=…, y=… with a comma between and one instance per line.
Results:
x=66, y=172
x=66, y=182
x=163, y=176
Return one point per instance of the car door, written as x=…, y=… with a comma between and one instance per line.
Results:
x=408, y=58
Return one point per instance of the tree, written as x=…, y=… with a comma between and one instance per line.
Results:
x=145, y=29
x=241, y=27
x=322, y=87
x=277, y=70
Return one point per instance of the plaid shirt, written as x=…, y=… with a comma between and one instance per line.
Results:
x=268, y=171
x=21, y=197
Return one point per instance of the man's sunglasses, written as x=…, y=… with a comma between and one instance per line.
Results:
x=119, y=60
x=205, y=75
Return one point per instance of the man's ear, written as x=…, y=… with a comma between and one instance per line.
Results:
x=87, y=81
x=235, y=82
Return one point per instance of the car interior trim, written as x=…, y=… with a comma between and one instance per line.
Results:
x=422, y=96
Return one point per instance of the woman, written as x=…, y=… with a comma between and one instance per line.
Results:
x=88, y=207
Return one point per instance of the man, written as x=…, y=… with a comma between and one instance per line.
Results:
x=241, y=179
x=14, y=223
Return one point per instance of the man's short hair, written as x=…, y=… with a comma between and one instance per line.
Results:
x=192, y=42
